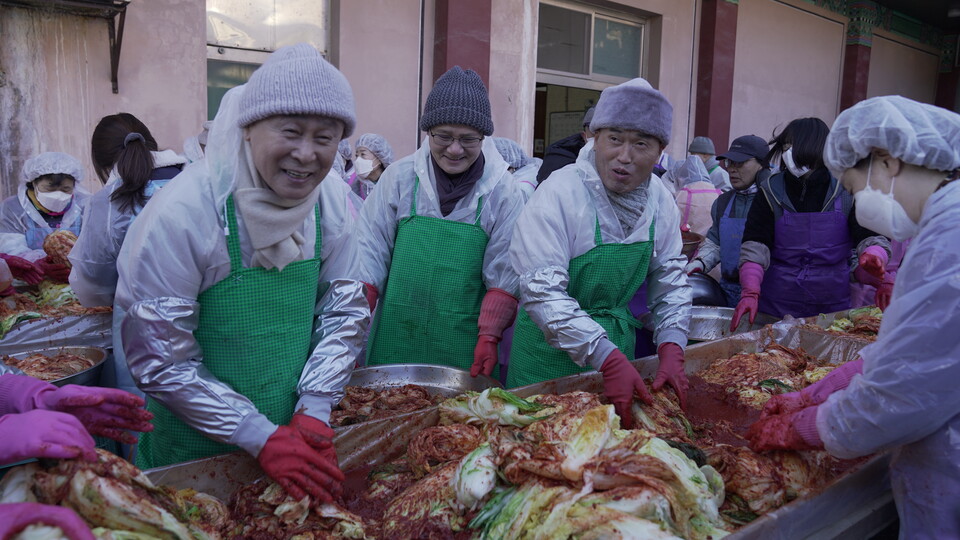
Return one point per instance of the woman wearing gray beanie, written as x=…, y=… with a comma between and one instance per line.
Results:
x=244, y=318
x=434, y=238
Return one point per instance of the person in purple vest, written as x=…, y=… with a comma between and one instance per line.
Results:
x=797, y=242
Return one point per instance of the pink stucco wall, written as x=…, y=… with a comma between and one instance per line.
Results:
x=56, y=79
x=898, y=68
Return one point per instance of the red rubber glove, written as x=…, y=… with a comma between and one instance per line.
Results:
x=793, y=431
x=16, y=517
x=23, y=269
x=816, y=393
x=671, y=371
x=885, y=291
x=621, y=382
x=103, y=411
x=300, y=470
x=9, y=291
x=56, y=272
x=497, y=312
x=372, y=294
x=873, y=260
x=47, y=434
x=751, y=277
x=317, y=434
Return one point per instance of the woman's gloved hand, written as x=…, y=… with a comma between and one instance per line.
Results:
x=671, y=371
x=103, y=411
x=56, y=272
x=40, y=433
x=23, y=269
x=873, y=260
x=621, y=382
x=15, y=517
x=816, y=393
x=885, y=291
x=290, y=460
x=751, y=277
x=793, y=431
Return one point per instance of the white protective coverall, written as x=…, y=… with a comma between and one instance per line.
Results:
x=558, y=224
x=176, y=249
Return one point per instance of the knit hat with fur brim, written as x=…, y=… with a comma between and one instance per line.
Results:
x=296, y=80
x=637, y=106
x=458, y=97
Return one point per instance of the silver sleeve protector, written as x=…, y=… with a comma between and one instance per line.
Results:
x=669, y=298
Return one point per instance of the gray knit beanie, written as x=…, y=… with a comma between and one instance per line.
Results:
x=458, y=97
x=296, y=79
x=637, y=106
x=702, y=145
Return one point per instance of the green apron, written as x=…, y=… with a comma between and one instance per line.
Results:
x=602, y=281
x=430, y=308
x=254, y=330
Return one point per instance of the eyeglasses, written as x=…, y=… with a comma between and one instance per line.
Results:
x=466, y=142
x=727, y=163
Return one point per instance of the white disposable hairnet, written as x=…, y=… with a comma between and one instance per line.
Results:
x=918, y=133
x=344, y=149
x=689, y=171
x=52, y=163
x=378, y=145
x=511, y=152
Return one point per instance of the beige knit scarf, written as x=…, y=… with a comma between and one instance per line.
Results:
x=272, y=222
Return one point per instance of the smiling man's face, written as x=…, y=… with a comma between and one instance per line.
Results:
x=293, y=154
x=625, y=158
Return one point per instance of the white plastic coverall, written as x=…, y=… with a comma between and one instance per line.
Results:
x=558, y=224
x=526, y=178
x=696, y=194
x=17, y=214
x=176, y=249
x=390, y=203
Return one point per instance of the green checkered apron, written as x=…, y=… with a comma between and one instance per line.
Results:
x=430, y=308
x=254, y=331
x=602, y=280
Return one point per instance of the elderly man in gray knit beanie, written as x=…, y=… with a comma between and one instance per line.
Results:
x=435, y=236
x=243, y=316
x=587, y=241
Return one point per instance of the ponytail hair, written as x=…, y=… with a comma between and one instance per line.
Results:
x=123, y=141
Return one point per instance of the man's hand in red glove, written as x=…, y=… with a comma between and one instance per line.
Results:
x=671, y=371
x=300, y=470
x=751, y=278
x=23, y=269
x=16, y=517
x=103, y=411
x=317, y=434
x=497, y=312
x=56, y=272
x=621, y=382
x=885, y=291
x=793, y=431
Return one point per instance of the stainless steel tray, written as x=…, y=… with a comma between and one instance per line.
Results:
x=443, y=380
x=709, y=323
x=88, y=377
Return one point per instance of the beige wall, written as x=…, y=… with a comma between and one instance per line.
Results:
x=789, y=65
x=56, y=79
x=513, y=51
x=902, y=68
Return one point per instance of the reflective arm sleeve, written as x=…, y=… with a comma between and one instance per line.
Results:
x=669, y=297
x=507, y=202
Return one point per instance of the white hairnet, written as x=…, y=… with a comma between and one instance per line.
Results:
x=344, y=149
x=378, y=145
x=511, y=152
x=52, y=163
x=689, y=171
x=920, y=134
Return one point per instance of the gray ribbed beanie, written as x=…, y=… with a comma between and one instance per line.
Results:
x=637, y=106
x=702, y=145
x=458, y=97
x=296, y=79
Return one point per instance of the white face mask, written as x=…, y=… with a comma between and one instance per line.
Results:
x=787, y=158
x=54, y=201
x=364, y=166
x=880, y=212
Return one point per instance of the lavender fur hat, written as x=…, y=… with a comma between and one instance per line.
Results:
x=637, y=106
x=296, y=79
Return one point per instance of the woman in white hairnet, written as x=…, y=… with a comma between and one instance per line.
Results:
x=48, y=199
x=373, y=155
x=695, y=196
x=523, y=167
x=243, y=316
x=900, y=159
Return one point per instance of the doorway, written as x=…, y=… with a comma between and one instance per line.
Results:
x=559, y=113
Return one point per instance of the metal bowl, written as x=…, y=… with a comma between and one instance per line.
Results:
x=706, y=290
x=708, y=323
x=443, y=380
x=88, y=377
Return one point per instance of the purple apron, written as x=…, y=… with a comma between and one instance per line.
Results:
x=731, y=236
x=809, y=272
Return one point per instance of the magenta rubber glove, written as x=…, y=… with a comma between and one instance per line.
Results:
x=816, y=393
x=751, y=277
x=793, y=431
x=23, y=269
x=497, y=312
x=873, y=260
x=372, y=294
x=103, y=411
x=47, y=434
x=290, y=459
x=16, y=517
x=671, y=371
x=621, y=382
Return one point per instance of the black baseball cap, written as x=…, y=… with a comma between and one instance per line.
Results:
x=746, y=147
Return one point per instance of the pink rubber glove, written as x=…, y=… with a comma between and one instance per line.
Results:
x=46, y=434
x=885, y=291
x=751, y=277
x=372, y=294
x=497, y=312
x=873, y=260
x=56, y=272
x=793, y=431
x=23, y=269
x=621, y=382
x=290, y=460
x=816, y=393
x=671, y=371
x=16, y=517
